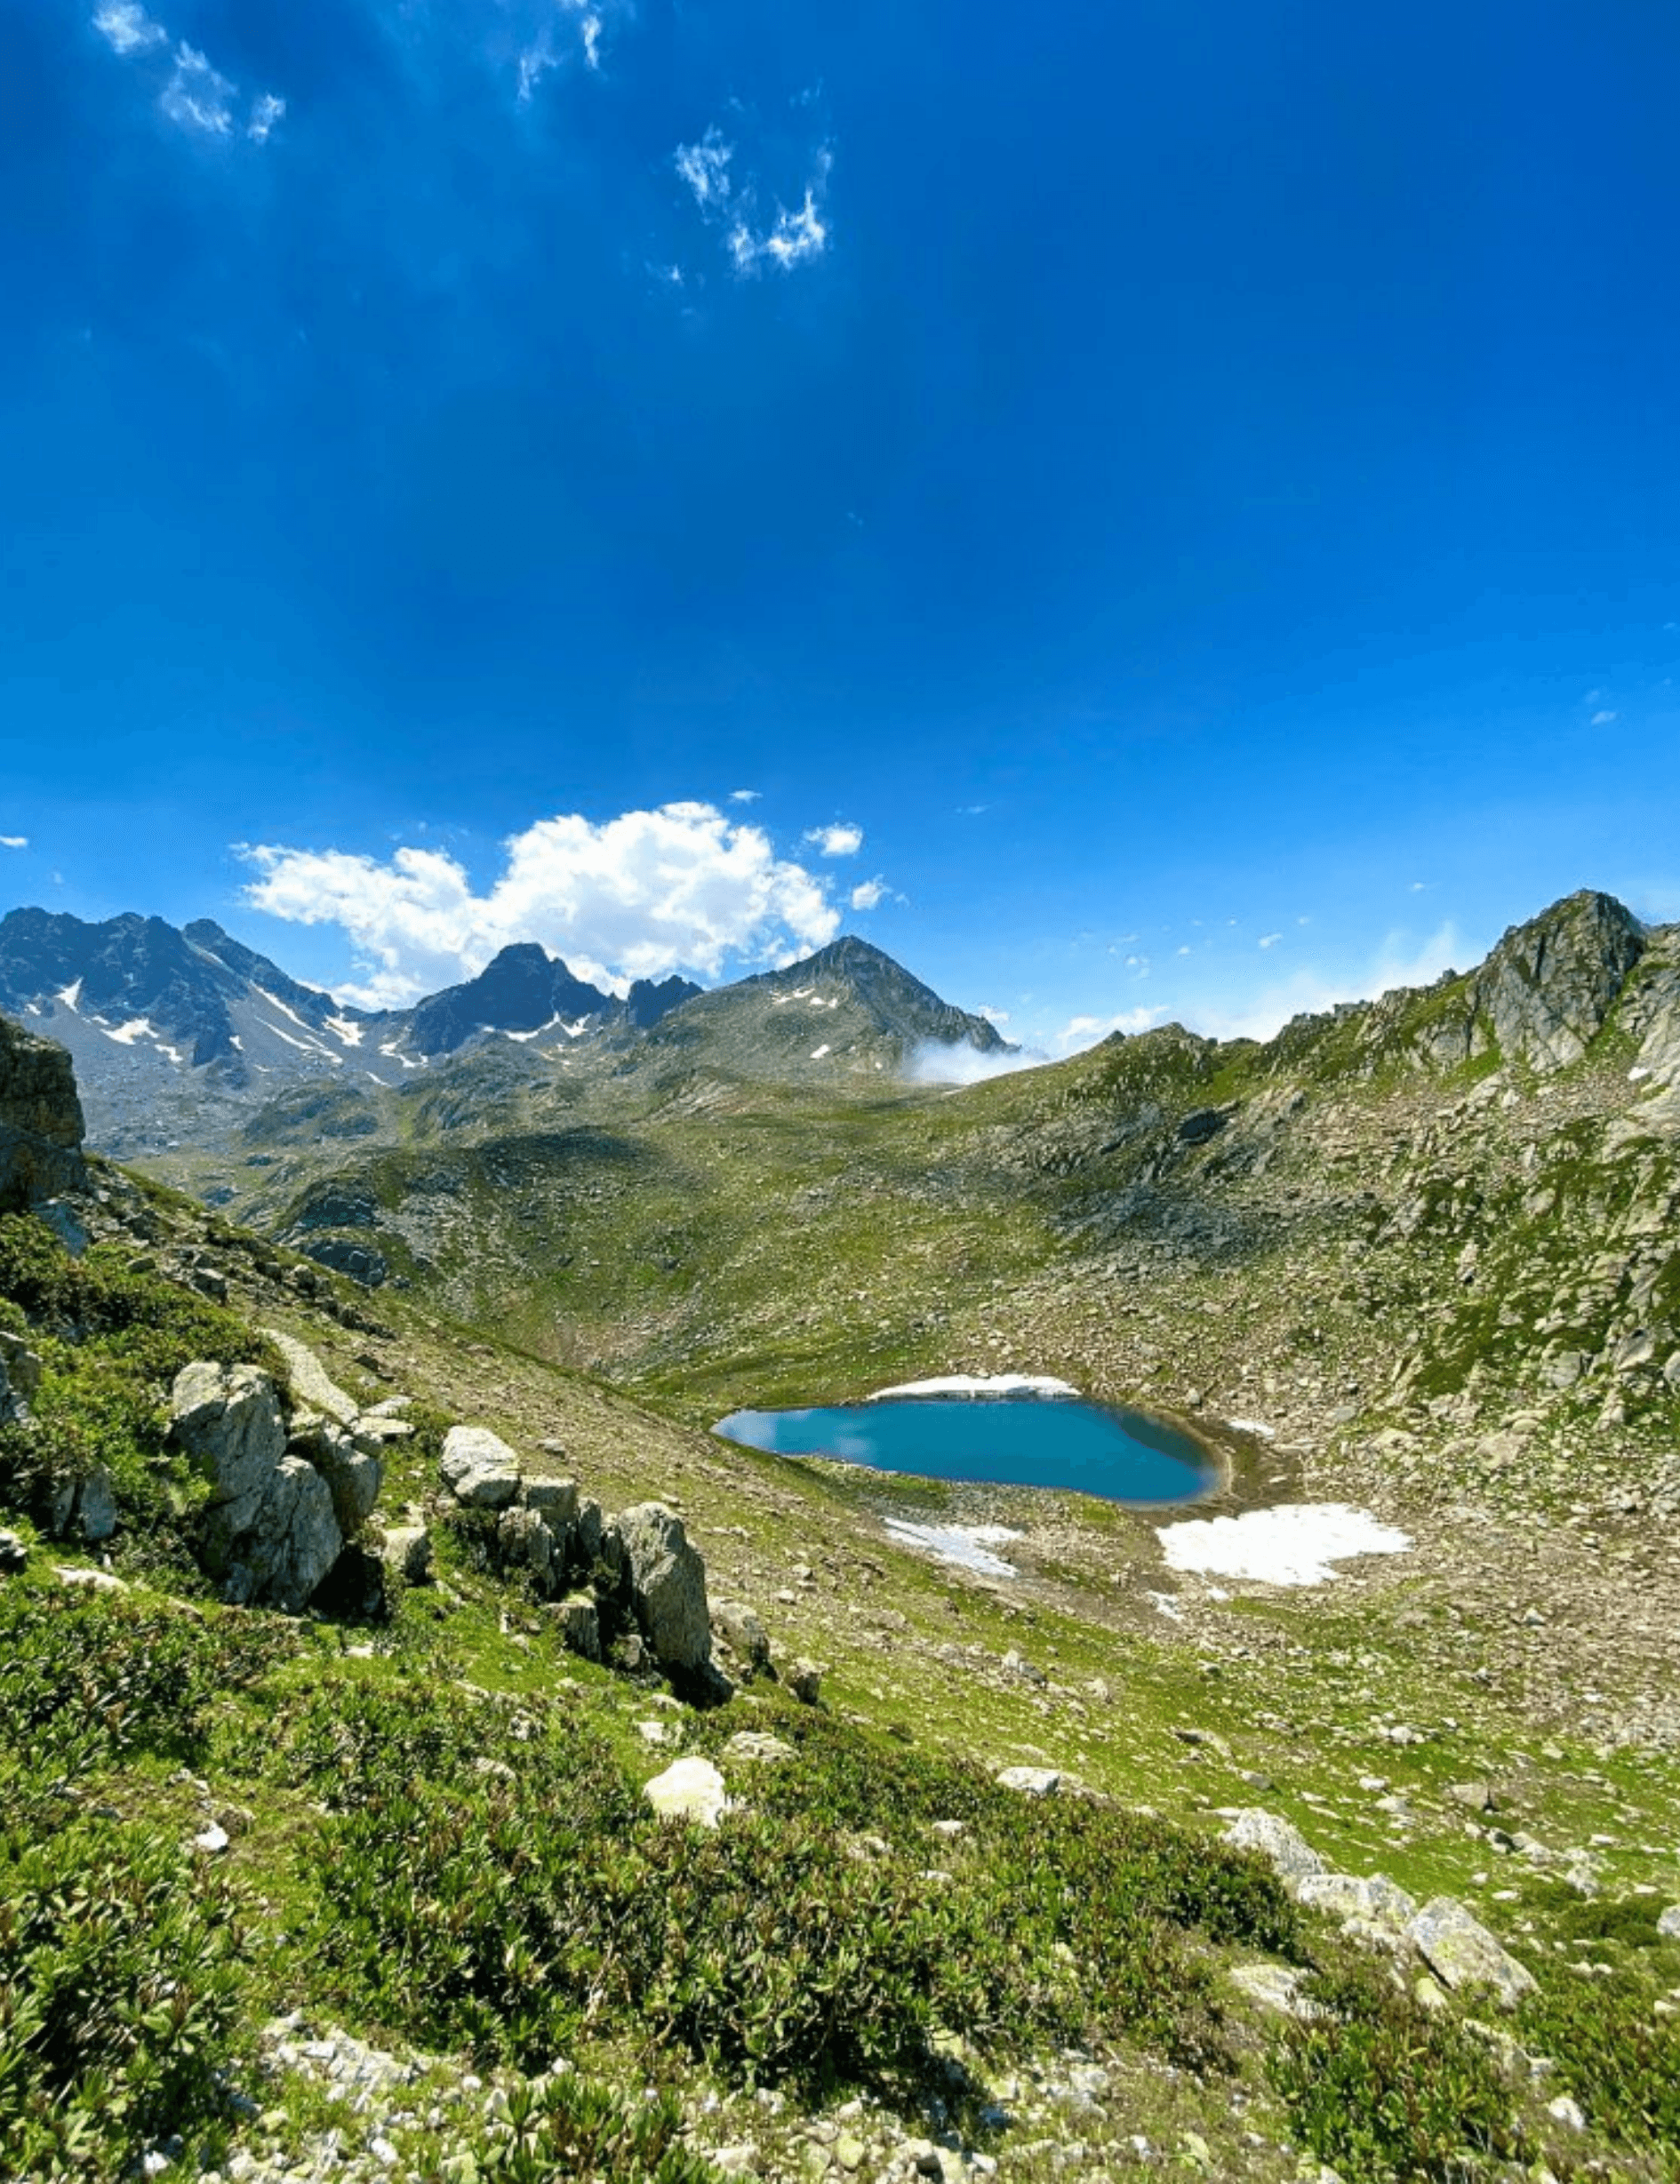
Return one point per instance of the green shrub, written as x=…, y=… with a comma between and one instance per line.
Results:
x=1622, y=2063
x=122, y=1961
x=496, y=1882
x=1383, y=2088
x=564, y=2127
x=123, y=2002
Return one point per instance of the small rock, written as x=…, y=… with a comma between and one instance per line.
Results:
x=1031, y=1781
x=758, y=1746
x=580, y=1623
x=805, y=1680
x=1478, y=1797
x=1567, y=2112
x=14, y=1554
x=1668, y=1923
x=742, y=1632
x=690, y=1789
x=212, y=1839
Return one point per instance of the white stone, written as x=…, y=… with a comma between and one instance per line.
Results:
x=690, y=1789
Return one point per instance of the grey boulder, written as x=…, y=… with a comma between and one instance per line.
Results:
x=478, y=1468
x=668, y=1586
x=354, y=1476
x=296, y=1539
x=226, y=1418
x=1283, y=1848
x=1461, y=1952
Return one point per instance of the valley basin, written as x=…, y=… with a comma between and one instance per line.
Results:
x=1058, y=1441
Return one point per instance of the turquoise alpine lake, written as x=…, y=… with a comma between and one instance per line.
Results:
x=1087, y=1448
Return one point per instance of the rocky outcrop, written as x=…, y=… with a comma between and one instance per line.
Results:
x=275, y=1525
x=668, y=1586
x=479, y=1468
x=1461, y=1952
x=41, y=1124
x=1548, y=989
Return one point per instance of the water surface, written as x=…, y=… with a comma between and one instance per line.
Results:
x=1089, y=1448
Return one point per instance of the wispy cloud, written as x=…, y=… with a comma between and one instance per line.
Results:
x=197, y=96
x=548, y=49
x=793, y=237
x=192, y=93
x=705, y=168
x=1400, y=961
x=843, y=839
x=1270, y=939
x=1603, y=719
x=869, y=894
x=745, y=795
x=934, y=1062
x=127, y=28
x=14, y=841
x=1080, y=1032
x=680, y=888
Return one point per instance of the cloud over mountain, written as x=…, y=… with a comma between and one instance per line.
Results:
x=679, y=888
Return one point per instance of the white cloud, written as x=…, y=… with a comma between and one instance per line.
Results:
x=934, y=1062
x=128, y=29
x=745, y=795
x=841, y=840
x=543, y=54
x=638, y=896
x=14, y=841
x=793, y=238
x=1080, y=1032
x=705, y=168
x=1603, y=719
x=197, y=96
x=868, y=895
x=1397, y=962
x=266, y=113
x=999, y=1017
x=1270, y=939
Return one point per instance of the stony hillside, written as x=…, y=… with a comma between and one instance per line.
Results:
x=1098, y=1866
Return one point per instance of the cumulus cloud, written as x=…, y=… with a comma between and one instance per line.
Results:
x=1603, y=719
x=681, y=888
x=14, y=841
x=192, y=93
x=841, y=840
x=869, y=894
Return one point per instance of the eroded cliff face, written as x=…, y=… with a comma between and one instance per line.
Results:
x=41, y=1126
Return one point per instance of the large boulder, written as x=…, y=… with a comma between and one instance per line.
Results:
x=352, y=1474
x=1283, y=1847
x=41, y=1124
x=478, y=1468
x=228, y=1420
x=1461, y=1952
x=296, y=1539
x=668, y=1586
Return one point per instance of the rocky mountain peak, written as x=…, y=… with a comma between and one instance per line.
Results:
x=1548, y=987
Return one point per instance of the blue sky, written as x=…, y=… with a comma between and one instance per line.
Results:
x=1139, y=511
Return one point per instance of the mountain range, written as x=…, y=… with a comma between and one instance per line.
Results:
x=177, y=1033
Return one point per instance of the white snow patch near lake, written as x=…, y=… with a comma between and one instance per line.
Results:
x=136, y=1028
x=1252, y=1425
x=342, y=1027
x=70, y=995
x=1296, y=1543
x=969, y=1545
x=980, y=1384
x=817, y=1052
